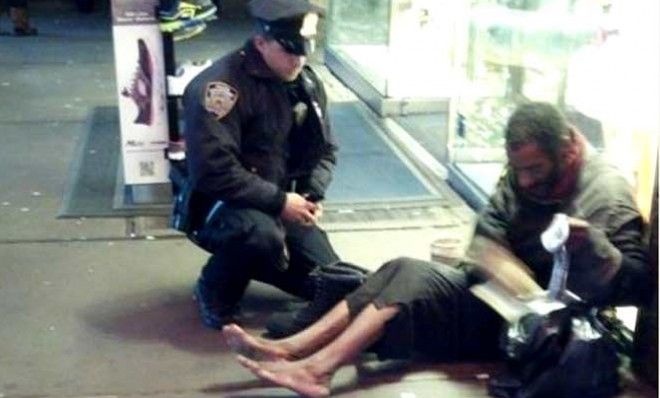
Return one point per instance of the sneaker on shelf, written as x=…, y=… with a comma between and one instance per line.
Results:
x=169, y=15
x=182, y=30
x=179, y=24
x=189, y=31
x=204, y=10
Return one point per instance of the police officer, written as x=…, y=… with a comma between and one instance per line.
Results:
x=260, y=155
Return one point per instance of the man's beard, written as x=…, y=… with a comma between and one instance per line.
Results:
x=544, y=190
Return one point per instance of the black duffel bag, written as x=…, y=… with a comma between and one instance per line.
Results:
x=567, y=353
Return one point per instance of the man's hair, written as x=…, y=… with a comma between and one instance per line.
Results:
x=540, y=123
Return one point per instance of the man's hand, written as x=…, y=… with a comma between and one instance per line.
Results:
x=579, y=235
x=300, y=210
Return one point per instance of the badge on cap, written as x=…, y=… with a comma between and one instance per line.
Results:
x=220, y=98
x=308, y=28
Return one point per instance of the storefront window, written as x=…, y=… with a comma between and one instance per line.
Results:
x=359, y=34
x=403, y=49
x=597, y=60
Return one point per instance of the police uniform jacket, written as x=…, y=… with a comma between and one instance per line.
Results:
x=612, y=267
x=245, y=157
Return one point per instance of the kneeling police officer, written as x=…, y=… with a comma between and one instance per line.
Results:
x=260, y=155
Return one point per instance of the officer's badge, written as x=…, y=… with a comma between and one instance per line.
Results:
x=299, y=113
x=220, y=98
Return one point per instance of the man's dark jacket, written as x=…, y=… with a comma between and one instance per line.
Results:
x=243, y=158
x=612, y=268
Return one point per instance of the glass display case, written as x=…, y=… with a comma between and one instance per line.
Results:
x=397, y=55
x=597, y=60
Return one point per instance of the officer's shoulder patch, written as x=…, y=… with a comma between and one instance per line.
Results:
x=219, y=98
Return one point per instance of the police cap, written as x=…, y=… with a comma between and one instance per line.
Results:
x=291, y=22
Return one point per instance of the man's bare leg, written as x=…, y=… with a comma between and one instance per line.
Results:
x=311, y=376
x=299, y=345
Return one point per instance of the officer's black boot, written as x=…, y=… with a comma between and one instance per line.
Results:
x=214, y=313
x=332, y=283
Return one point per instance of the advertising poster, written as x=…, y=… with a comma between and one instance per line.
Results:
x=141, y=94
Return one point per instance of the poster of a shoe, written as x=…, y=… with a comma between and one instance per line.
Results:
x=140, y=83
x=140, y=89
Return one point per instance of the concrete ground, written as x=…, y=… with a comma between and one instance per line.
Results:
x=99, y=308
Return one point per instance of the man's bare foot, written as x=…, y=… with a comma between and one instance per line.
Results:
x=245, y=344
x=292, y=375
x=277, y=365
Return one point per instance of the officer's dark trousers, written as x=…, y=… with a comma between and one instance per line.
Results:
x=249, y=244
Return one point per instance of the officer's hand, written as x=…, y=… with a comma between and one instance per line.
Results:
x=298, y=209
x=318, y=213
